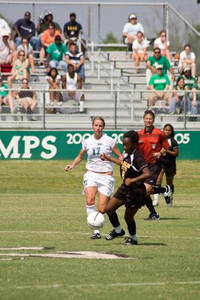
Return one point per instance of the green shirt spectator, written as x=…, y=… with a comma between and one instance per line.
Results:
x=159, y=82
x=3, y=93
x=162, y=60
x=55, y=53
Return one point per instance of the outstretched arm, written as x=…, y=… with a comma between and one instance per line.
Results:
x=77, y=160
x=104, y=156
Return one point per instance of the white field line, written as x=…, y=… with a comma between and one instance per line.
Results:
x=110, y=285
x=87, y=233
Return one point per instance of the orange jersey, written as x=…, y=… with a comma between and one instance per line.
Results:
x=46, y=38
x=150, y=143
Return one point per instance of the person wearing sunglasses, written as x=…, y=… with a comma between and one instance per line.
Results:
x=163, y=43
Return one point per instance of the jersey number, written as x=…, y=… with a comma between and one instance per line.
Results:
x=96, y=151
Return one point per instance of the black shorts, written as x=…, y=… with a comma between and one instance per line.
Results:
x=170, y=169
x=133, y=196
x=155, y=171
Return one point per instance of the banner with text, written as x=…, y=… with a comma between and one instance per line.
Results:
x=67, y=144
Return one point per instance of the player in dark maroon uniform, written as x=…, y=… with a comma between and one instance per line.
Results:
x=132, y=192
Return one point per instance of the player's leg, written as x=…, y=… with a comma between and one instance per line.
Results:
x=170, y=180
x=131, y=225
x=90, y=193
x=158, y=183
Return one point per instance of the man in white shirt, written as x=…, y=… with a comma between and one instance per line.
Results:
x=4, y=27
x=131, y=29
x=187, y=59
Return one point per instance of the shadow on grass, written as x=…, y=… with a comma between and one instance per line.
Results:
x=174, y=219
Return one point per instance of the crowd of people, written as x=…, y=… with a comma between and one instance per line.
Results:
x=44, y=44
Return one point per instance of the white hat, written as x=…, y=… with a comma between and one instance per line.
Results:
x=132, y=16
x=187, y=69
x=159, y=67
x=4, y=33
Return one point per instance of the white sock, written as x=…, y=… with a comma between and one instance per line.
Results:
x=96, y=231
x=81, y=106
x=90, y=209
x=156, y=198
x=133, y=237
x=118, y=229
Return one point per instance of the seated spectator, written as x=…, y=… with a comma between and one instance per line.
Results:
x=72, y=31
x=4, y=27
x=131, y=29
x=55, y=53
x=47, y=38
x=163, y=44
x=7, y=48
x=140, y=45
x=155, y=60
x=25, y=28
x=75, y=58
x=178, y=99
x=26, y=97
x=195, y=109
x=20, y=68
x=72, y=81
x=44, y=21
x=5, y=97
x=53, y=83
x=189, y=81
x=187, y=60
x=159, y=83
x=28, y=49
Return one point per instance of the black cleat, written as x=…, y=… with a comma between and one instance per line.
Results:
x=114, y=234
x=153, y=216
x=130, y=241
x=96, y=236
x=168, y=195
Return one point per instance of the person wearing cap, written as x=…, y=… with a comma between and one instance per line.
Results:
x=7, y=48
x=159, y=83
x=72, y=30
x=25, y=28
x=131, y=29
x=187, y=59
x=5, y=97
x=44, y=21
x=55, y=53
x=155, y=60
x=4, y=26
x=47, y=38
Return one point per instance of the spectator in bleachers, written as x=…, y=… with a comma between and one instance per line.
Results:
x=72, y=81
x=4, y=27
x=55, y=54
x=20, y=68
x=140, y=45
x=187, y=59
x=154, y=61
x=75, y=58
x=28, y=49
x=25, y=28
x=72, y=30
x=189, y=82
x=163, y=44
x=44, y=21
x=159, y=83
x=7, y=48
x=195, y=109
x=131, y=29
x=178, y=98
x=26, y=97
x=5, y=96
x=53, y=83
x=47, y=38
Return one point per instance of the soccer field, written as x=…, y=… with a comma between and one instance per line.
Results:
x=43, y=226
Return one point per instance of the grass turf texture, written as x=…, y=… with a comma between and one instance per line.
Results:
x=41, y=205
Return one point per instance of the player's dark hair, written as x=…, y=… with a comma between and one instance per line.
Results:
x=100, y=119
x=172, y=129
x=187, y=45
x=149, y=112
x=156, y=49
x=132, y=135
x=49, y=73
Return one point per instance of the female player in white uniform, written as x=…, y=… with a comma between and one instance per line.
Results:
x=98, y=177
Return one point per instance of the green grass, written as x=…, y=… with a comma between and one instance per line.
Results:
x=41, y=205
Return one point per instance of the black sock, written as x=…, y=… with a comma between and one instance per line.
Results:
x=172, y=188
x=150, y=206
x=114, y=220
x=132, y=227
x=158, y=189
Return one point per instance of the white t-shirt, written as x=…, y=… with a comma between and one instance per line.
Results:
x=71, y=82
x=4, y=50
x=94, y=148
x=58, y=77
x=132, y=29
x=158, y=43
x=183, y=55
x=140, y=46
x=4, y=26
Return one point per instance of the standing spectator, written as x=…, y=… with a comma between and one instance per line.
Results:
x=5, y=97
x=163, y=44
x=196, y=97
x=159, y=83
x=72, y=30
x=47, y=38
x=53, y=84
x=25, y=28
x=178, y=99
x=75, y=58
x=44, y=21
x=4, y=27
x=155, y=60
x=20, y=68
x=28, y=49
x=55, y=53
x=187, y=59
x=140, y=45
x=7, y=48
x=131, y=29
x=168, y=162
x=72, y=81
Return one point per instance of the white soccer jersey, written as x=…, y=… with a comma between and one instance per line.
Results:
x=94, y=149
